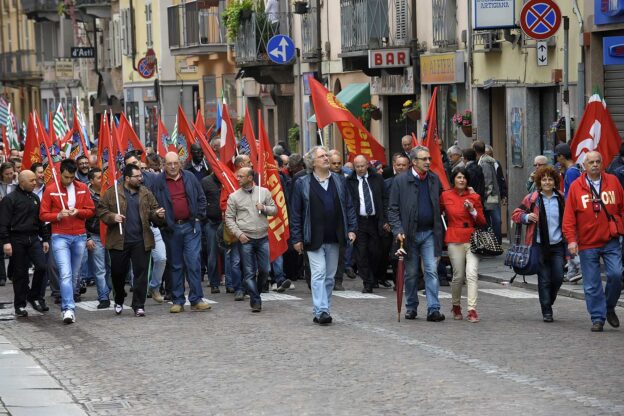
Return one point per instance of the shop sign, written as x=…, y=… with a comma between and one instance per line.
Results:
x=389, y=84
x=493, y=14
x=443, y=68
x=613, y=50
x=608, y=11
x=64, y=69
x=389, y=58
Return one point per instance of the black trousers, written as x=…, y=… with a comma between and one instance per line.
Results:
x=367, y=250
x=27, y=249
x=120, y=262
x=385, y=245
x=338, y=278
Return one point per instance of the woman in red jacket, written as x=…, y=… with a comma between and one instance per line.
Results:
x=543, y=212
x=463, y=212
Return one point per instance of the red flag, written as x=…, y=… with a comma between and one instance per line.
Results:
x=32, y=153
x=279, y=231
x=128, y=137
x=5, y=142
x=200, y=126
x=248, y=134
x=186, y=136
x=164, y=143
x=328, y=110
x=414, y=140
x=596, y=131
x=79, y=146
x=223, y=173
x=50, y=152
x=106, y=162
x=228, y=141
x=432, y=141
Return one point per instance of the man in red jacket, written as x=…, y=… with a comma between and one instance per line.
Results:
x=66, y=204
x=593, y=197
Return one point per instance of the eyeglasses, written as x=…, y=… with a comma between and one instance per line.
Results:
x=537, y=165
x=424, y=158
x=136, y=176
x=172, y=164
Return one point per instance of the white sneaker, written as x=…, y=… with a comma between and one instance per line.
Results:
x=274, y=287
x=575, y=278
x=292, y=286
x=69, y=317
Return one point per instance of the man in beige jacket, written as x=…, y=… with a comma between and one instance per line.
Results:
x=246, y=218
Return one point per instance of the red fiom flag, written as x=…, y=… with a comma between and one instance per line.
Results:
x=279, y=231
x=248, y=134
x=328, y=110
x=596, y=131
x=432, y=141
x=50, y=157
x=186, y=137
x=32, y=153
x=106, y=161
x=228, y=141
x=164, y=144
x=79, y=146
x=128, y=137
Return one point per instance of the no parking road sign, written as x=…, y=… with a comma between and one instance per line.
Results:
x=540, y=19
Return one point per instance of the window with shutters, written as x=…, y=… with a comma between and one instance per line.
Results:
x=148, y=23
x=444, y=23
x=115, y=41
x=9, y=37
x=400, y=22
x=126, y=32
x=46, y=41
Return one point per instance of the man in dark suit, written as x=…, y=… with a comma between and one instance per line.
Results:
x=367, y=193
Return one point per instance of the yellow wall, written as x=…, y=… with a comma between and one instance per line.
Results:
x=521, y=63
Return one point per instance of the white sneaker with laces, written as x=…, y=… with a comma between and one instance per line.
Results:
x=69, y=317
x=118, y=309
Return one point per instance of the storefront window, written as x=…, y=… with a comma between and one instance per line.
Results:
x=446, y=107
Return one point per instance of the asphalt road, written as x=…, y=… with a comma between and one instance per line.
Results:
x=229, y=361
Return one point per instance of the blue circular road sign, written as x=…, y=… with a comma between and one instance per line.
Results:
x=281, y=49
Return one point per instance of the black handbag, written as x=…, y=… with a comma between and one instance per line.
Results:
x=483, y=242
x=522, y=258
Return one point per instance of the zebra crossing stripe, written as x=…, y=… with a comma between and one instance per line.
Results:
x=509, y=293
x=352, y=294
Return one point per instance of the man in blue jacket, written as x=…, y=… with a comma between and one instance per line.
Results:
x=322, y=220
x=181, y=194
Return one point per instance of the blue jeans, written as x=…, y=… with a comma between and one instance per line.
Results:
x=159, y=260
x=323, y=265
x=183, y=243
x=210, y=231
x=278, y=270
x=87, y=273
x=255, y=252
x=493, y=217
x=598, y=301
x=233, y=267
x=68, y=252
x=97, y=263
x=422, y=246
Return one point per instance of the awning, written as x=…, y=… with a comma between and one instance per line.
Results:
x=352, y=96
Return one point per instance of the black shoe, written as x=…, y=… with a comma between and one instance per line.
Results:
x=613, y=319
x=77, y=298
x=2, y=282
x=256, y=307
x=214, y=290
x=367, y=290
x=44, y=306
x=35, y=305
x=285, y=285
x=230, y=290
x=435, y=316
x=324, y=318
x=597, y=327
x=411, y=315
x=338, y=287
x=238, y=296
x=375, y=285
x=548, y=318
x=167, y=297
x=83, y=288
x=385, y=284
x=350, y=273
x=104, y=304
x=21, y=312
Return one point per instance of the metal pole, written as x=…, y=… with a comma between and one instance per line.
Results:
x=566, y=91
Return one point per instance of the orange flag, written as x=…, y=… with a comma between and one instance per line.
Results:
x=32, y=151
x=164, y=144
x=250, y=137
x=279, y=231
x=78, y=146
x=5, y=142
x=200, y=126
x=228, y=141
x=414, y=140
x=128, y=138
x=186, y=137
x=328, y=110
x=430, y=128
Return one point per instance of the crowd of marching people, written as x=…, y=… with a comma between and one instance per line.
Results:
x=143, y=233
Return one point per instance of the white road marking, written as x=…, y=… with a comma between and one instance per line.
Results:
x=278, y=296
x=510, y=293
x=352, y=294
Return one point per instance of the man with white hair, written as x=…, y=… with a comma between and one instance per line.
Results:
x=454, y=154
x=538, y=162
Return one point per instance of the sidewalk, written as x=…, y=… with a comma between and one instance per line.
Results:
x=493, y=270
x=28, y=390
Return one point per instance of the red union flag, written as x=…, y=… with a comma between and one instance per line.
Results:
x=279, y=231
x=328, y=110
x=596, y=131
x=432, y=141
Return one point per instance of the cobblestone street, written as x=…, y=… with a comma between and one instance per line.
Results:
x=230, y=361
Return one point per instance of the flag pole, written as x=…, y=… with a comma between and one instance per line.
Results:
x=320, y=134
x=113, y=159
x=117, y=201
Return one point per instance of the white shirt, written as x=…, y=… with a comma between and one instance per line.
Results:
x=71, y=196
x=361, y=194
x=272, y=10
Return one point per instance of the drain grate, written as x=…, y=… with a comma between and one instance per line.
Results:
x=107, y=405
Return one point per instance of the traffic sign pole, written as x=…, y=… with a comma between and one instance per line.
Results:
x=566, y=91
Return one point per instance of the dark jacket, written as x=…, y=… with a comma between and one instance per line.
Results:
x=194, y=195
x=300, y=224
x=93, y=224
x=376, y=184
x=403, y=206
x=19, y=214
x=476, y=179
x=107, y=209
x=212, y=190
x=203, y=172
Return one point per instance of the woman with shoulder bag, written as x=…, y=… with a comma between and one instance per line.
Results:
x=544, y=229
x=464, y=211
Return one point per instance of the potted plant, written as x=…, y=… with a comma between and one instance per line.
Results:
x=234, y=14
x=301, y=7
x=293, y=136
x=464, y=121
x=370, y=111
x=411, y=110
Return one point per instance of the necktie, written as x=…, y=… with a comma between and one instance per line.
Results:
x=368, y=204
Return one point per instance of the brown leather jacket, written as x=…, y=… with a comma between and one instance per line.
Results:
x=107, y=209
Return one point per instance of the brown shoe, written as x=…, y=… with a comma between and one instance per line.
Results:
x=256, y=307
x=201, y=306
x=175, y=308
x=597, y=327
x=156, y=295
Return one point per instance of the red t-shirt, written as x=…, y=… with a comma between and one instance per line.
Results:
x=178, y=198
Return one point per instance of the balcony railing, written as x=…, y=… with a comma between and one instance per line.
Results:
x=98, y=8
x=34, y=7
x=309, y=36
x=373, y=24
x=20, y=65
x=254, y=34
x=191, y=26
